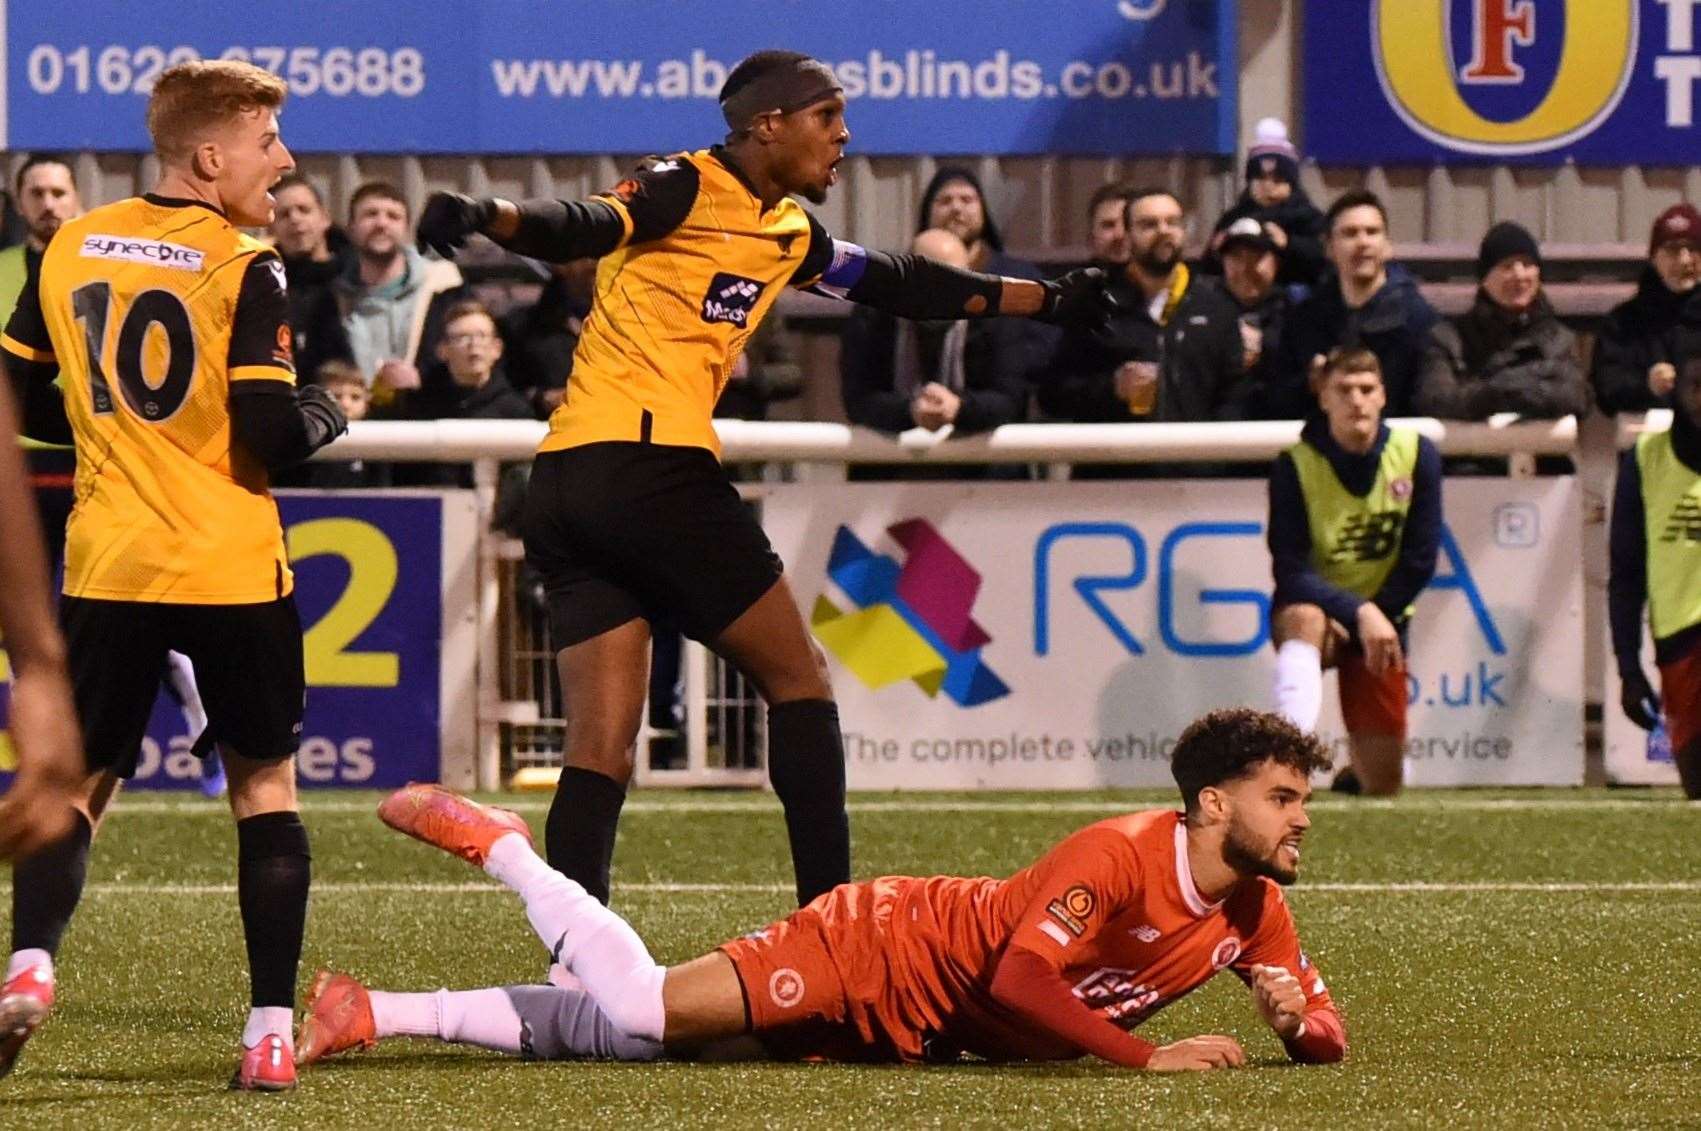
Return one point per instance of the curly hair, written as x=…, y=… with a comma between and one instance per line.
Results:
x=1230, y=743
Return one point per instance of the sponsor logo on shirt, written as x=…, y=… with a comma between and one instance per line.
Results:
x=1146, y=933
x=731, y=298
x=155, y=253
x=785, y=986
x=1072, y=909
x=1117, y=993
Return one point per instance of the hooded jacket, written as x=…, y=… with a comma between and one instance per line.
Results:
x=1394, y=325
x=1491, y=360
x=399, y=319
x=1303, y=261
x=998, y=262
x=1655, y=324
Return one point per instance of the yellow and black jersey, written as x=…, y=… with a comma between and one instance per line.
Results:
x=698, y=265
x=152, y=308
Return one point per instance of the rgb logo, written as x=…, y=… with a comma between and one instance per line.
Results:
x=1504, y=77
x=911, y=621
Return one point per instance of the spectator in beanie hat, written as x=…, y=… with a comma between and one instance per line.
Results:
x=1647, y=337
x=1509, y=352
x=1273, y=197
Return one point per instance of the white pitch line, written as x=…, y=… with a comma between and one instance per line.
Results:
x=311, y=806
x=359, y=887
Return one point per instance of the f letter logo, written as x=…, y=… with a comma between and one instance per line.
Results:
x=1500, y=26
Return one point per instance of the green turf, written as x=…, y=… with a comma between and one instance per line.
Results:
x=1485, y=1006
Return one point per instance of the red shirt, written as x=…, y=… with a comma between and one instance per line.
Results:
x=1114, y=912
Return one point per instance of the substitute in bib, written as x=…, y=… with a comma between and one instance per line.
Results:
x=1355, y=521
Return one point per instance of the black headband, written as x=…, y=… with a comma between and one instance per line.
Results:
x=804, y=83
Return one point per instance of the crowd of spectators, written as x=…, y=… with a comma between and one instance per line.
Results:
x=1233, y=334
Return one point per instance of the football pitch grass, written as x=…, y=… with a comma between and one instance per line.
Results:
x=1516, y=959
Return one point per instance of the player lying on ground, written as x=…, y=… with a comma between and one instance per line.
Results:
x=1062, y=959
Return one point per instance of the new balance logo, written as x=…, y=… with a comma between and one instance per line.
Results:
x=1368, y=537
x=1146, y=934
x=1684, y=522
x=731, y=298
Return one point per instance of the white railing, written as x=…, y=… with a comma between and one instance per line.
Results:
x=487, y=444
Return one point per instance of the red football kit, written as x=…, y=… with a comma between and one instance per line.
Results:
x=1064, y=958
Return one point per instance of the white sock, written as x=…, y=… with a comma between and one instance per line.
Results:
x=1299, y=683
x=486, y=1018
x=182, y=675
x=513, y=863
x=24, y=959
x=267, y=1019
x=593, y=943
x=406, y=1015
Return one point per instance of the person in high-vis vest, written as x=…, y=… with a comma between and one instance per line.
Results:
x=1355, y=523
x=1656, y=562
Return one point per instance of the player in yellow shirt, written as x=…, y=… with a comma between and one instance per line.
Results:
x=629, y=514
x=167, y=329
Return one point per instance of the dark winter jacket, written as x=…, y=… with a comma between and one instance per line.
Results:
x=314, y=317
x=1653, y=325
x=1491, y=361
x=1394, y=325
x=994, y=389
x=1303, y=261
x=1263, y=386
x=1198, y=353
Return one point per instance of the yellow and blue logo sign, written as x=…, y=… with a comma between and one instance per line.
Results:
x=1597, y=81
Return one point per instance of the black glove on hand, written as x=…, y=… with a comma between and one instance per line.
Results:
x=449, y=218
x=321, y=413
x=1641, y=705
x=1078, y=299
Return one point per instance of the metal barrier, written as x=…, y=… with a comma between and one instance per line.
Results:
x=720, y=736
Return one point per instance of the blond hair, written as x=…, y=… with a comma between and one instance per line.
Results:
x=191, y=99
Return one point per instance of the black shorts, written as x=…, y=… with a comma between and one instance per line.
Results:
x=248, y=667
x=622, y=530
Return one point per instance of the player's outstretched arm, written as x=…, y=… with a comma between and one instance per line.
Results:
x=552, y=230
x=913, y=286
x=1029, y=985
x=43, y=719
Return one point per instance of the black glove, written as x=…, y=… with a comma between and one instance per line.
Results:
x=449, y=218
x=1641, y=705
x=322, y=415
x=1078, y=299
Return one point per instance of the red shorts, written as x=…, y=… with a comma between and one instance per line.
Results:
x=1680, y=695
x=1371, y=705
x=822, y=983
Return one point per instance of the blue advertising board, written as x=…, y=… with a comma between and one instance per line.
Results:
x=369, y=587
x=641, y=76
x=1598, y=82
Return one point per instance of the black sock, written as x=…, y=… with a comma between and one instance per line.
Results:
x=272, y=876
x=579, y=835
x=46, y=887
x=806, y=763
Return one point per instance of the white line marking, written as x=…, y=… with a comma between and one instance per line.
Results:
x=766, y=804
x=360, y=887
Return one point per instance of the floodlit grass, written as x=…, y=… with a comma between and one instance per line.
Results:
x=1516, y=959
